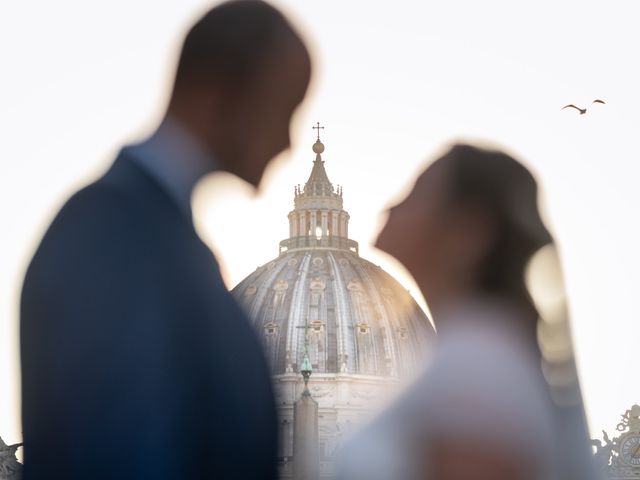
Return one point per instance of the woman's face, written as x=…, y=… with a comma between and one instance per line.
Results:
x=440, y=242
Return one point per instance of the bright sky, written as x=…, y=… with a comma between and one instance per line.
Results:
x=394, y=82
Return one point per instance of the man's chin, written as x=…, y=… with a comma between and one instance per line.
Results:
x=255, y=185
x=378, y=244
x=253, y=180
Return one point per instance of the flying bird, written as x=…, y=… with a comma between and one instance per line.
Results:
x=571, y=105
x=583, y=110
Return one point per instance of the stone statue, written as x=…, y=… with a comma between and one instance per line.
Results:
x=10, y=468
x=630, y=420
x=604, y=452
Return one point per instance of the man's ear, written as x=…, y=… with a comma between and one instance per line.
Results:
x=223, y=119
x=220, y=100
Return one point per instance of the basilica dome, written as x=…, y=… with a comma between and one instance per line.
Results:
x=339, y=332
x=320, y=295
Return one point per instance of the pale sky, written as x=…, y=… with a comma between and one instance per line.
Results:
x=394, y=83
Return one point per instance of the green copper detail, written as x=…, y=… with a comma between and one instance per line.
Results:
x=306, y=368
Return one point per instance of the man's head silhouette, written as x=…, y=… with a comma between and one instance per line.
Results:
x=242, y=72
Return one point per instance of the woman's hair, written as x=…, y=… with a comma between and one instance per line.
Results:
x=505, y=190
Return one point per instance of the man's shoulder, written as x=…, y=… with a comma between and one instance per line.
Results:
x=98, y=208
x=124, y=189
x=93, y=223
x=97, y=195
x=123, y=198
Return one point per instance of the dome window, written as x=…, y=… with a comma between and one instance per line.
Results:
x=363, y=328
x=402, y=333
x=316, y=326
x=270, y=328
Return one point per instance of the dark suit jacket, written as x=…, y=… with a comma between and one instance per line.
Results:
x=136, y=361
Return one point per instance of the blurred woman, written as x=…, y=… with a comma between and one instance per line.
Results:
x=482, y=409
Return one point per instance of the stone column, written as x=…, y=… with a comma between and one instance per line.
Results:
x=343, y=225
x=306, y=462
x=293, y=225
x=314, y=224
x=302, y=229
x=325, y=223
x=334, y=223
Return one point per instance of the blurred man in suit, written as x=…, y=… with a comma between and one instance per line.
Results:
x=136, y=361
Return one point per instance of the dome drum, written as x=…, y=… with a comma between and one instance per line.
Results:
x=302, y=243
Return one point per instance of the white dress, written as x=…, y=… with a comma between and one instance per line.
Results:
x=483, y=384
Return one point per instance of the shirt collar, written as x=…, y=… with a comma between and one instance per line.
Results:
x=176, y=159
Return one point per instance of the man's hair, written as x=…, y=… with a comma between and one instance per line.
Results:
x=232, y=42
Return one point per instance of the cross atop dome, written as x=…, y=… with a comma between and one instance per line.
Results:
x=318, y=128
x=318, y=147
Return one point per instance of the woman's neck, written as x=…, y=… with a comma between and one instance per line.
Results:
x=445, y=292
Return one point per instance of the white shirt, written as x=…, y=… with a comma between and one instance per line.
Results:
x=483, y=385
x=176, y=159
